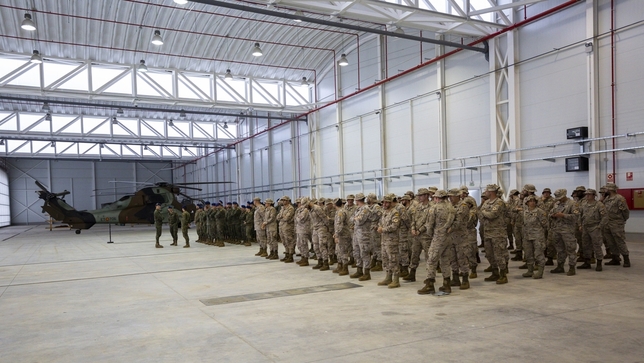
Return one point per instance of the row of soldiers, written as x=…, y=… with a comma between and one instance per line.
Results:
x=218, y=223
x=373, y=235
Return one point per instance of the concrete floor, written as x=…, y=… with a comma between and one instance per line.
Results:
x=75, y=298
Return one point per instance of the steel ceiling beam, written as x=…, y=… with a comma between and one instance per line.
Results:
x=256, y=10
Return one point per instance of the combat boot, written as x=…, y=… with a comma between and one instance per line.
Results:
x=608, y=254
x=599, y=266
x=465, y=284
x=571, y=271
x=158, y=245
x=356, y=274
x=285, y=257
x=447, y=286
x=373, y=262
x=261, y=250
x=627, y=261
x=395, y=283
x=559, y=269
x=247, y=244
x=338, y=268
x=187, y=245
x=386, y=281
x=411, y=277
x=503, y=279
x=518, y=256
x=325, y=266
x=345, y=270
x=428, y=288
x=289, y=259
x=366, y=276
x=319, y=265
x=352, y=261
x=455, y=279
x=305, y=261
x=524, y=266
x=494, y=276
x=478, y=258
x=174, y=243
x=538, y=273
x=550, y=262
x=263, y=254
x=404, y=272
x=269, y=255
x=614, y=262
x=586, y=264
x=378, y=266
x=489, y=269
x=473, y=273
x=275, y=255
x=530, y=272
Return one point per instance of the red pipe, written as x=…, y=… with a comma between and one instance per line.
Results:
x=612, y=80
x=433, y=60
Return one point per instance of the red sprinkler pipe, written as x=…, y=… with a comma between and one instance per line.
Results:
x=612, y=80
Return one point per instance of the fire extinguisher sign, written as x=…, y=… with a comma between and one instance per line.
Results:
x=629, y=176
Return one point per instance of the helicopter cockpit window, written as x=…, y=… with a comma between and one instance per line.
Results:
x=125, y=198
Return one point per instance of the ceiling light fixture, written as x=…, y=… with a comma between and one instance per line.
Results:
x=119, y=112
x=36, y=57
x=1, y=142
x=53, y=144
x=257, y=51
x=298, y=13
x=27, y=23
x=170, y=123
x=45, y=107
x=399, y=30
x=145, y=147
x=156, y=39
x=304, y=81
x=228, y=75
x=181, y=2
x=182, y=114
x=48, y=117
x=142, y=67
x=115, y=121
x=343, y=60
x=225, y=125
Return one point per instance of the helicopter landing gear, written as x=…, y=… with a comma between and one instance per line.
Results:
x=78, y=231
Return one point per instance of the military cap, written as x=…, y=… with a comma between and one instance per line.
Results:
x=243, y=206
x=546, y=190
x=329, y=201
x=409, y=193
x=159, y=204
x=580, y=188
x=321, y=200
x=387, y=198
x=440, y=194
x=235, y=203
x=454, y=192
x=335, y=201
x=298, y=200
x=287, y=198
x=314, y=201
x=531, y=197
x=249, y=202
x=199, y=205
x=514, y=192
x=590, y=191
x=423, y=191
x=492, y=188
x=229, y=203
x=257, y=199
x=405, y=197
x=372, y=196
x=268, y=201
x=359, y=196
x=305, y=200
x=170, y=207
x=560, y=193
x=432, y=189
x=351, y=196
x=529, y=188
x=221, y=201
x=611, y=187
x=602, y=189
x=464, y=188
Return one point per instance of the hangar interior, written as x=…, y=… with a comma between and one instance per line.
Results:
x=305, y=98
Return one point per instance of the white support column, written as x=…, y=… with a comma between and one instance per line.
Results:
x=592, y=82
x=382, y=102
x=340, y=137
x=442, y=116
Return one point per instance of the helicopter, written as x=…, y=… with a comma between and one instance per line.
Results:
x=137, y=208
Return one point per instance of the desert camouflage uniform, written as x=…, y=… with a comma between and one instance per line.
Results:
x=593, y=218
x=390, y=224
x=362, y=236
x=270, y=219
x=422, y=241
x=258, y=220
x=493, y=216
x=618, y=214
x=321, y=229
x=303, y=229
x=563, y=230
x=535, y=222
x=376, y=240
x=458, y=238
x=287, y=227
x=439, y=221
x=404, y=232
x=342, y=232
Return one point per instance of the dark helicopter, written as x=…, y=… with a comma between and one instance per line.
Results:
x=137, y=208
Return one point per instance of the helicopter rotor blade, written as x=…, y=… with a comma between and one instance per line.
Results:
x=197, y=183
x=41, y=186
x=192, y=188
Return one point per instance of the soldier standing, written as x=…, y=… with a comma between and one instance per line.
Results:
x=515, y=209
x=362, y=239
x=212, y=225
x=287, y=228
x=438, y=227
x=248, y=226
x=270, y=225
x=470, y=231
x=564, y=217
x=459, y=242
x=405, y=232
x=185, y=222
x=341, y=237
x=158, y=223
x=198, y=222
x=303, y=230
x=319, y=223
x=350, y=207
x=260, y=232
x=593, y=218
x=493, y=214
x=535, y=222
x=618, y=214
x=388, y=227
x=330, y=218
x=546, y=203
x=220, y=216
x=173, y=222
x=376, y=240
x=420, y=239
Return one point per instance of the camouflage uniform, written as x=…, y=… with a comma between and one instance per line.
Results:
x=350, y=212
x=319, y=223
x=258, y=220
x=199, y=223
x=158, y=224
x=535, y=222
x=342, y=235
x=303, y=227
x=515, y=209
x=220, y=224
x=376, y=240
x=173, y=222
x=458, y=237
x=362, y=235
x=270, y=222
x=248, y=224
x=618, y=214
x=422, y=240
x=563, y=228
x=404, y=233
x=389, y=225
x=439, y=221
x=185, y=223
x=593, y=218
x=287, y=226
x=493, y=215
x=546, y=204
x=470, y=228
x=212, y=224
x=329, y=209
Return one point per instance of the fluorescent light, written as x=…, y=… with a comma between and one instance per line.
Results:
x=156, y=39
x=298, y=13
x=343, y=60
x=27, y=23
x=181, y=2
x=257, y=51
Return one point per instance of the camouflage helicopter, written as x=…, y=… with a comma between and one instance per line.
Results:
x=137, y=208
